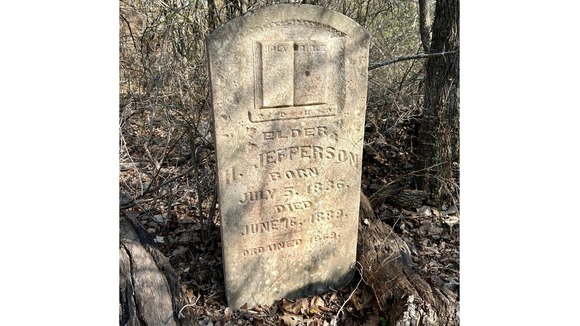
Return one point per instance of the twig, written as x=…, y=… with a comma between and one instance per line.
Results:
x=409, y=57
x=406, y=175
x=180, y=315
x=335, y=318
x=149, y=190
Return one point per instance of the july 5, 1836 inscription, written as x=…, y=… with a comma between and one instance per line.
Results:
x=288, y=85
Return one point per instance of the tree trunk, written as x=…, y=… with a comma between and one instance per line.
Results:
x=405, y=297
x=439, y=130
x=424, y=22
x=149, y=289
x=211, y=15
x=236, y=8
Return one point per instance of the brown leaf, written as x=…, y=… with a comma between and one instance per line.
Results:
x=332, y=297
x=424, y=211
x=291, y=319
x=274, y=309
x=299, y=306
x=452, y=220
x=436, y=213
x=317, y=302
x=325, y=309
x=303, y=305
x=287, y=304
x=313, y=311
x=228, y=314
x=356, y=301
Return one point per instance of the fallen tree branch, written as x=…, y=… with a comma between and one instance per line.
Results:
x=149, y=289
x=409, y=57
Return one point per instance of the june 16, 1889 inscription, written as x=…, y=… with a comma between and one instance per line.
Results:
x=288, y=86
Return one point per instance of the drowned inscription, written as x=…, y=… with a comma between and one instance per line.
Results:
x=288, y=86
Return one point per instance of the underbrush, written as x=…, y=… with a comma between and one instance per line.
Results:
x=167, y=159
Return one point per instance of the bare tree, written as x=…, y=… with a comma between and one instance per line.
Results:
x=439, y=130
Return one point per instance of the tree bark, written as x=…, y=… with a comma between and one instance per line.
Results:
x=387, y=267
x=211, y=15
x=149, y=289
x=439, y=129
x=424, y=24
x=236, y=8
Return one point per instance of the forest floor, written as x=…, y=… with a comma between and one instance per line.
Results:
x=191, y=241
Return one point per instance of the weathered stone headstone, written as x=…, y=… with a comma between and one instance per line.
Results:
x=288, y=86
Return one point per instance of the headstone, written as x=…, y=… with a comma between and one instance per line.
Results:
x=288, y=85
